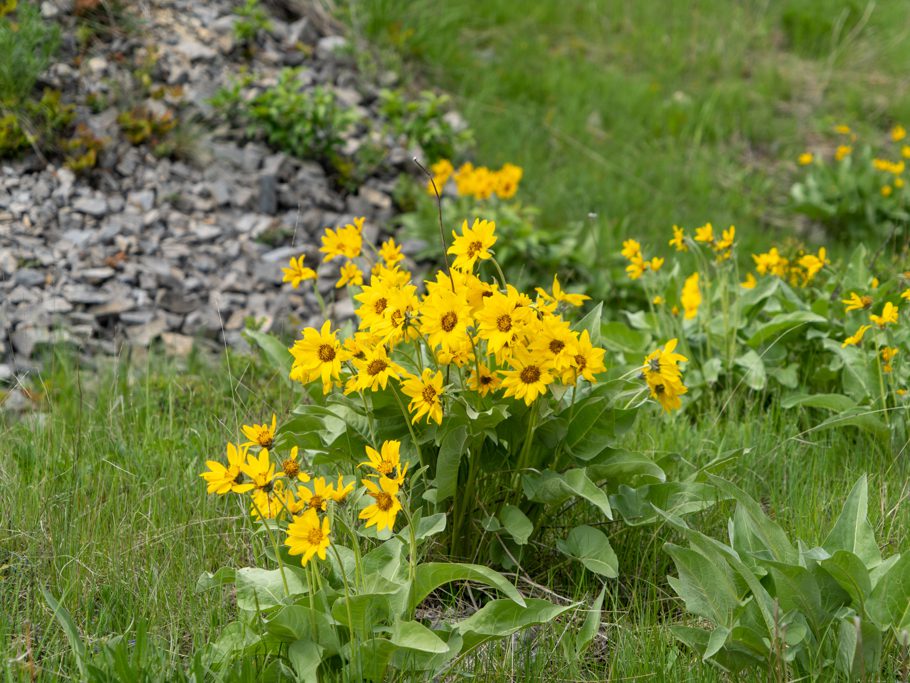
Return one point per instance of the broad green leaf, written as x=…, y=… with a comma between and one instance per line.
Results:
x=73, y=636
x=516, y=523
x=430, y=526
x=889, y=604
x=710, y=370
x=298, y=622
x=432, y=575
x=617, y=336
x=754, y=369
x=862, y=418
x=706, y=585
x=501, y=618
x=415, y=636
x=851, y=575
x=773, y=330
x=581, y=485
x=852, y=531
x=716, y=641
x=384, y=560
x=591, y=323
x=277, y=353
x=591, y=547
x=594, y=426
x=787, y=376
x=362, y=612
x=590, y=626
x=222, y=577
x=305, y=656
x=796, y=589
x=858, y=650
x=624, y=467
x=451, y=450
x=258, y=588
x=835, y=402
x=373, y=657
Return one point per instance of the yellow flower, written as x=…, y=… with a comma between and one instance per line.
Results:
x=813, y=264
x=260, y=470
x=386, y=461
x=317, y=355
x=307, y=537
x=391, y=252
x=223, y=479
x=291, y=468
x=749, y=282
x=657, y=300
x=296, y=273
x=893, y=167
x=445, y=317
x=856, y=303
x=905, y=151
x=705, y=233
x=484, y=382
x=502, y=318
x=898, y=133
x=889, y=315
x=373, y=371
x=346, y=241
x=857, y=337
x=631, y=249
x=726, y=240
x=382, y=513
x=341, y=490
x=586, y=359
x=874, y=283
x=679, y=239
x=552, y=342
x=318, y=498
x=906, y=294
x=425, y=392
x=888, y=354
x=805, y=158
x=442, y=170
x=770, y=262
x=842, y=152
x=842, y=129
x=559, y=295
x=898, y=183
x=506, y=181
x=270, y=504
x=636, y=267
x=528, y=377
x=472, y=244
x=691, y=296
x=350, y=274
x=655, y=263
x=260, y=435
x=886, y=190
x=664, y=363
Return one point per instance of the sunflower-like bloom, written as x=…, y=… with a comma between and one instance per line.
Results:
x=770, y=262
x=382, y=513
x=296, y=272
x=857, y=337
x=445, y=317
x=442, y=170
x=705, y=233
x=724, y=246
x=889, y=315
x=631, y=249
x=855, y=302
x=341, y=490
x=502, y=318
x=661, y=372
x=888, y=354
x=373, y=371
x=506, y=180
x=223, y=479
x=636, y=268
x=812, y=264
x=260, y=469
x=587, y=360
x=273, y=504
x=386, y=461
x=390, y=253
x=425, y=392
x=679, y=239
x=691, y=296
x=346, y=242
x=260, y=435
x=483, y=380
x=318, y=355
x=291, y=468
x=552, y=341
x=308, y=537
x=319, y=496
x=528, y=378
x=560, y=296
x=805, y=159
x=842, y=152
x=398, y=322
x=350, y=275
x=472, y=244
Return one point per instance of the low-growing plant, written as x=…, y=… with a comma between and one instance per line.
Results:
x=27, y=43
x=252, y=19
x=799, y=611
x=423, y=121
x=35, y=124
x=82, y=149
x=141, y=126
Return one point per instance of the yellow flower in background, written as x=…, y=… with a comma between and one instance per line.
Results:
x=636, y=268
x=426, y=395
x=483, y=380
x=705, y=233
x=221, y=479
x=842, y=129
x=296, y=273
x=856, y=303
x=307, y=536
x=888, y=354
x=382, y=513
x=889, y=315
x=749, y=282
x=391, y=253
x=373, y=371
x=472, y=244
x=528, y=378
x=857, y=337
x=260, y=435
x=886, y=190
x=270, y=504
x=691, y=296
x=655, y=263
x=898, y=133
x=893, y=167
x=898, y=183
x=560, y=296
x=631, y=249
x=386, y=461
x=874, y=283
x=657, y=300
x=679, y=239
x=726, y=240
x=318, y=356
x=350, y=275
x=291, y=468
x=442, y=170
x=341, y=490
x=906, y=294
x=842, y=152
x=319, y=497
x=905, y=151
x=771, y=262
x=805, y=158
x=507, y=180
x=812, y=264
x=346, y=242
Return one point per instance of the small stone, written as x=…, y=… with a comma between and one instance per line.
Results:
x=142, y=335
x=116, y=306
x=177, y=344
x=144, y=200
x=25, y=339
x=194, y=50
x=78, y=238
x=329, y=46
x=93, y=206
x=95, y=276
x=268, y=194
x=29, y=277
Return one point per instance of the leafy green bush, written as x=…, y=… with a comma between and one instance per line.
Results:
x=423, y=121
x=27, y=43
x=253, y=19
x=799, y=610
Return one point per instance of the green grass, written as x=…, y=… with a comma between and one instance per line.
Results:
x=102, y=506
x=657, y=112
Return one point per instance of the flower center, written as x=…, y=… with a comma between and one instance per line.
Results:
x=383, y=501
x=867, y=301
x=291, y=468
x=581, y=362
x=316, y=502
x=326, y=353
x=530, y=374
x=486, y=379
x=380, y=305
x=264, y=438
x=449, y=320
x=474, y=248
x=504, y=323
x=376, y=366
x=658, y=389
x=314, y=536
x=384, y=467
x=654, y=365
x=429, y=394
x=556, y=346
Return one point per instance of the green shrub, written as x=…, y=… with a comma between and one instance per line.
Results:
x=27, y=45
x=253, y=19
x=422, y=120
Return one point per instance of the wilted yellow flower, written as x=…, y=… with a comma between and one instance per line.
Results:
x=889, y=315
x=691, y=296
x=291, y=468
x=296, y=273
x=842, y=152
x=805, y=158
x=857, y=337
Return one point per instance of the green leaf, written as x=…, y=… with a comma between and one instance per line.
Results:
x=619, y=337
x=258, y=588
x=432, y=575
x=591, y=547
x=296, y=622
x=858, y=650
x=852, y=531
x=69, y=629
x=782, y=324
x=590, y=626
x=593, y=427
x=754, y=368
x=516, y=523
x=500, y=618
x=710, y=370
x=623, y=467
x=222, y=577
x=889, y=604
x=581, y=485
x=305, y=656
x=415, y=636
x=835, y=402
x=451, y=449
x=706, y=585
x=796, y=589
x=863, y=418
x=430, y=526
x=365, y=610
x=851, y=575
x=275, y=351
x=787, y=376
x=591, y=323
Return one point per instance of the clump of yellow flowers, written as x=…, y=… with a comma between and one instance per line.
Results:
x=478, y=182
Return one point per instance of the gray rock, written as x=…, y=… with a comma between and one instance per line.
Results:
x=143, y=335
x=144, y=200
x=93, y=206
x=25, y=339
x=268, y=194
x=29, y=277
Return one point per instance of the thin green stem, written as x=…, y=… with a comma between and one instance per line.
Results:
x=407, y=421
x=268, y=530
